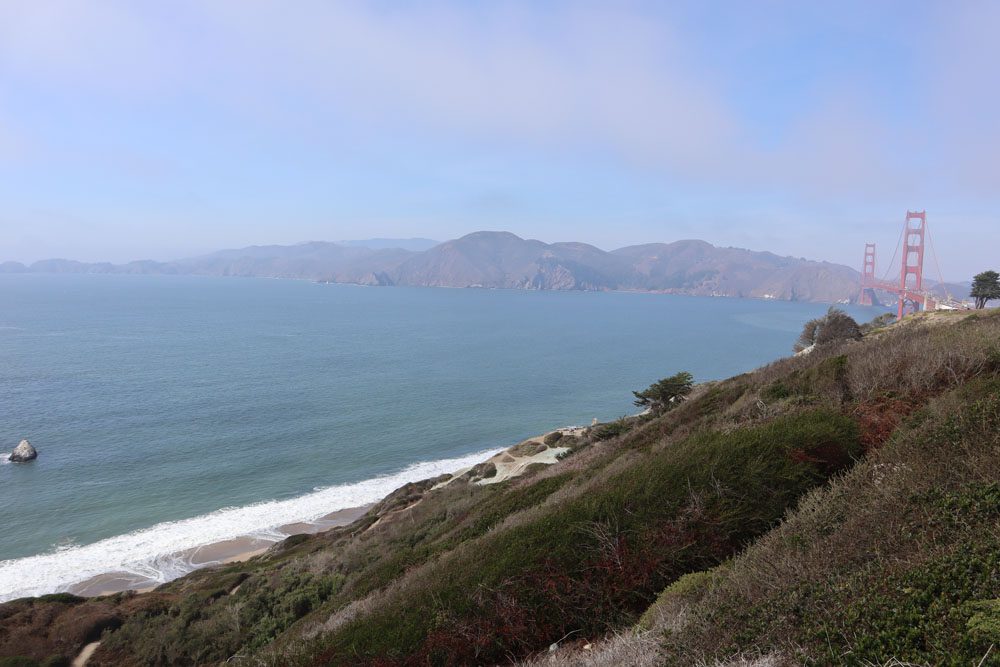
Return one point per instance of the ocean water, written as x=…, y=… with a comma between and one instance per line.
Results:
x=171, y=412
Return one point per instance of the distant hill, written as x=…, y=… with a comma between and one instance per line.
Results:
x=701, y=268
x=318, y=260
x=503, y=260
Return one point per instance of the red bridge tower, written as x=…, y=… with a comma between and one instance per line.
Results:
x=867, y=275
x=913, y=260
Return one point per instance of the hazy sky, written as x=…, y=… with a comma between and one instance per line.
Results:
x=145, y=129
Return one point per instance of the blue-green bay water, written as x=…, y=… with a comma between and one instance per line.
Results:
x=176, y=411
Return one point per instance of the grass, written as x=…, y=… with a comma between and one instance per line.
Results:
x=837, y=507
x=593, y=563
x=898, y=560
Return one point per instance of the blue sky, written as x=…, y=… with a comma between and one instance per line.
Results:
x=139, y=129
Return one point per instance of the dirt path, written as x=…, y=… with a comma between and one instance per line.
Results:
x=88, y=650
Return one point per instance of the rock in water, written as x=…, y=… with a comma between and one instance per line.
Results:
x=23, y=452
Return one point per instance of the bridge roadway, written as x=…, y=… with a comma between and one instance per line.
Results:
x=928, y=300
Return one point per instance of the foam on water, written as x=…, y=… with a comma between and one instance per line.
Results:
x=153, y=552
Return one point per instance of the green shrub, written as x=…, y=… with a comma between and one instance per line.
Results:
x=775, y=391
x=898, y=559
x=18, y=661
x=295, y=540
x=57, y=661
x=609, y=430
x=878, y=322
x=65, y=598
x=492, y=513
x=836, y=325
x=596, y=561
x=687, y=587
x=984, y=620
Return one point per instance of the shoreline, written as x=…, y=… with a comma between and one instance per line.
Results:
x=165, y=551
x=145, y=559
x=320, y=281
x=507, y=463
x=233, y=550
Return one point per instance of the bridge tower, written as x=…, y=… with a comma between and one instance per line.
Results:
x=867, y=276
x=913, y=260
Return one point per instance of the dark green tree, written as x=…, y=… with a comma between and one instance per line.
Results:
x=985, y=287
x=879, y=322
x=664, y=394
x=835, y=325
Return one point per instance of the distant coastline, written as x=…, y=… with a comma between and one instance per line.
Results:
x=504, y=260
x=501, y=260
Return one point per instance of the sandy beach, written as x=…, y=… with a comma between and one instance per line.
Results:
x=506, y=464
x=218, y=553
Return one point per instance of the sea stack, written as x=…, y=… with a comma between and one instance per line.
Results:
x=23, y=452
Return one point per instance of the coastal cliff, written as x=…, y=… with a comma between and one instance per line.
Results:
x=838, y=507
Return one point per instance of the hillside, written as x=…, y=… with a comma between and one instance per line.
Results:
x=836, y=507
x=330, y=262
x=503, y=260
x=699, y=267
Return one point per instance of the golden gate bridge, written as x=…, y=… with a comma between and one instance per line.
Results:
x=911, y=293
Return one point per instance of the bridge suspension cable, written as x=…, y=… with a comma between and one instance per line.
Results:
x=895, y=252
x=940, y=276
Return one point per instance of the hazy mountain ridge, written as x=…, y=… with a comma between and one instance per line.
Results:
x=503, y=260
x=699, y=267
x=416, y=244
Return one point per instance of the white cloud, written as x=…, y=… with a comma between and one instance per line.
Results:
x=13, y=145
x=600, y=75
x=558, y=79
x=605, y=76
x=102, y=46
x=962, y=91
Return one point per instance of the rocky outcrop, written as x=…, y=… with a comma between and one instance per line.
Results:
x=376, y=279
x=484, y=470
x=23, y=452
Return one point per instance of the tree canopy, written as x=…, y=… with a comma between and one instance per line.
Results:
x=666, y=393
x=835, y=325
x=985, y=287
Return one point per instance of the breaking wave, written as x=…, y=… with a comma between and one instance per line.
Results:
x=154, y=553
